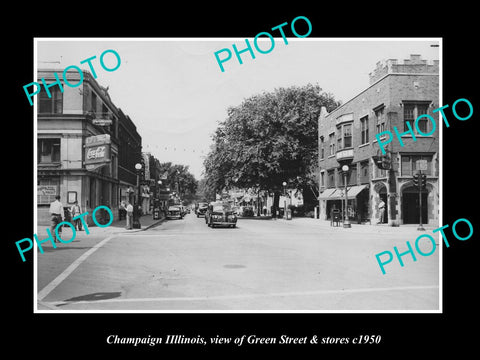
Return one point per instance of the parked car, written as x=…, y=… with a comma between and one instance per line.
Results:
x=220, y=214
x=174, y=212
x=202, y=209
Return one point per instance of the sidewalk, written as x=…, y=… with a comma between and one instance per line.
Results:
x=116, y=227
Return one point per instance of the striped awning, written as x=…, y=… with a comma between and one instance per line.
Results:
x=338, y=194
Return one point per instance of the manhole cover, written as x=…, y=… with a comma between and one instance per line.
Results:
x=234, y=266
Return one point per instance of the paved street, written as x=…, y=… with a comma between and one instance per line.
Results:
x=302, y=264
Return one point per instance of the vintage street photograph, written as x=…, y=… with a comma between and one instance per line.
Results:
x=194, y=175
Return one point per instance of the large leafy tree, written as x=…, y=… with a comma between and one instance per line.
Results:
x=179, y=178
x=268, y=139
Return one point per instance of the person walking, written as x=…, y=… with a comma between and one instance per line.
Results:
x=121, y=210
x=56, y=211
x=75, y=210
x=129, y=216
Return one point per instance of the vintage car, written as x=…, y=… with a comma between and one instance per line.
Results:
x=220, y=214
x=174, y=212
x=202, y=209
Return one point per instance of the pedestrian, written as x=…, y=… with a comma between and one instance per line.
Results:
x=56, y=211
x=75, y=210
x=129, y=216
x=264, y=210
x=381, y=208
x=121, y=210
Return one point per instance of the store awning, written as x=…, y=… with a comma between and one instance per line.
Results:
x=326, y=193
x=338, y=194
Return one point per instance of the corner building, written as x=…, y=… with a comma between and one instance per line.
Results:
x=86, y=147
x=398, y=93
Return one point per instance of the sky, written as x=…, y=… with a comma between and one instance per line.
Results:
x=176, y=94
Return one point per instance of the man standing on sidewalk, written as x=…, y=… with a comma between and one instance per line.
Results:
x=56, y=210
x=76, y=210
x=129, y=216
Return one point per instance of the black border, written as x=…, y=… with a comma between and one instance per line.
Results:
x=408, y=334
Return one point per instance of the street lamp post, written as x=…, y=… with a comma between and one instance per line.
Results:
x=156, y=203
x=136, y=213
x=346, y=221
x=284, y=200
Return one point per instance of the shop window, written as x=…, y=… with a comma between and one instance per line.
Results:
x=47, y=189
x=48, y=151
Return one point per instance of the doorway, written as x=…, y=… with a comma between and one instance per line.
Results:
x=411, y=206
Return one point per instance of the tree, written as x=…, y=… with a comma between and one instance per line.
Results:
x=179, y=179
x=268, y=139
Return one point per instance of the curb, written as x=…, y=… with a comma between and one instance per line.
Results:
x=141, y=229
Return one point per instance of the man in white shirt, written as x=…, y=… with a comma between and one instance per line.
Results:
x=56, y=210
x=129, y=216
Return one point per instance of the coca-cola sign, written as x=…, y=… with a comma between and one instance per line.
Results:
x=97, y=150
x=96, y=153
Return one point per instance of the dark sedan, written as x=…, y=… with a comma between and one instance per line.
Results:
x=220, y=214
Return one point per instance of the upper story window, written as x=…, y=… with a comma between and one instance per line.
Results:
x=50, y=105
x=380, y=119
x=409, y=164
x=48, y=151
x=364, y=176
x=331, y=144
x=322, y=148
x=94, y=102
x=344, y=136
x=411, y=111
x=364, y=130
x=331, y=178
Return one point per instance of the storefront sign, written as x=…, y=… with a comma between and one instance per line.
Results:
x=47, y=189
x=97, y=150
x=146, y=161
x=102, y=122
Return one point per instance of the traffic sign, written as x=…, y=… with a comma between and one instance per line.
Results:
x=421, y=165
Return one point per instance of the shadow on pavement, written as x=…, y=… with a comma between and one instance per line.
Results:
x=93, y=297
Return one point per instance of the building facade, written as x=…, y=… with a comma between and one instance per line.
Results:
x=78, y=146
x=129, y=154
x=398, y=93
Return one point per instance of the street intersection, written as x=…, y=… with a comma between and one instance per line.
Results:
x=298, y=265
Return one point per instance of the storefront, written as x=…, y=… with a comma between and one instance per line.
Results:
x=357, y=205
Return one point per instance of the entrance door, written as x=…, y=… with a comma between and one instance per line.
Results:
x=411, y=207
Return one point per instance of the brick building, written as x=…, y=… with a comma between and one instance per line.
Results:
x=398, y=92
